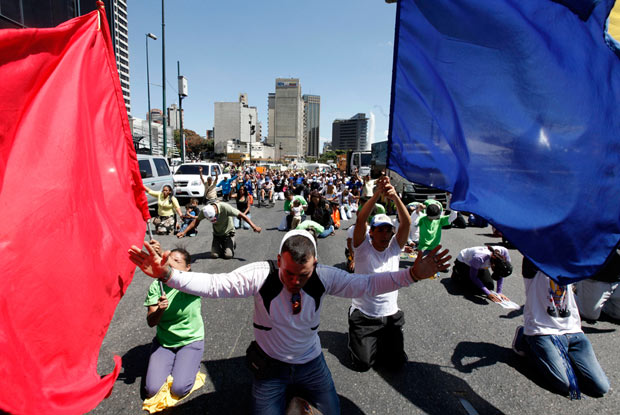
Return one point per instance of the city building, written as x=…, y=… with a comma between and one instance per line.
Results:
x=285, y=118
x=15, y=14
x=234, y=121
x=157, y=116
x=327, y=146
x=312, y=119
x=174, y=117
x=351, y=134
x=271, y=111
x=140, y=133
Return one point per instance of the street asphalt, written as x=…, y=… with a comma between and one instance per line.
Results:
x=459, y=346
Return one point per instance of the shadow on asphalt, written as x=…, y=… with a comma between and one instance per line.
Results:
x=481, y=354
x=207, y=255
x=593, y=330
x=135, y=363
x=454, y=289
x=514, y=313
x=427, y=386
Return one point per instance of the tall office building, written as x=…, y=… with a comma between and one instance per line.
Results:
x=234, y=121
x=350, y=134
x=286, y=121
x=174, y=117
x=37, y=13
x=271, y=113
x=116, y=11
x=312, y=119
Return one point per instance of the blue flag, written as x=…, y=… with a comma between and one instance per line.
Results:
x=513, y=106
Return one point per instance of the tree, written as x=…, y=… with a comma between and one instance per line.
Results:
x=194, y=143
x=330, y=155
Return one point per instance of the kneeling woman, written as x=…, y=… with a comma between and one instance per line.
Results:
x=177, y=349
x=167, y=205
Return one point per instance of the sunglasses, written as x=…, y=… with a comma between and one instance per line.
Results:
x=296, y=302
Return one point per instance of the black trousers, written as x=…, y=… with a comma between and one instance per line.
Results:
x=460, y=275
x=223, y=246
x=376, y=340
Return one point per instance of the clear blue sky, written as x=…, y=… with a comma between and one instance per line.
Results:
x=341, y=50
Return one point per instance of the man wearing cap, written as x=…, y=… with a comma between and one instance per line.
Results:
x=288, y=296
x=471, y=268
x=221, y=215
x=375, y=322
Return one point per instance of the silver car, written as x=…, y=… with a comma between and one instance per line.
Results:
x=155, y=174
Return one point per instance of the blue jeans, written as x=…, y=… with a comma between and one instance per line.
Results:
x=238, y=222
x=327, y=232
x=547, y=357
x=313, y=379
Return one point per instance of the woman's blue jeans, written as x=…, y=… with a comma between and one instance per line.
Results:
x=327, y=232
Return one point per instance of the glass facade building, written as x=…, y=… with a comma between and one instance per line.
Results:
x=351, y=134
x=19, y=14
x=312, y=119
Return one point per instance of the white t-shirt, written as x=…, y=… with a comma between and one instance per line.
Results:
x=538, y=299
x=480, y=256
x=370, y=261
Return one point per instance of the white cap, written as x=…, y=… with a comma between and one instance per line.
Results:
x=381, y=219
x=209, y=211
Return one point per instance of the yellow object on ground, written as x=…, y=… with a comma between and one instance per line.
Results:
x=163, y=399
x=614, y=21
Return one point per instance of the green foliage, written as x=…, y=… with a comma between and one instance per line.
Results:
x=194, y=142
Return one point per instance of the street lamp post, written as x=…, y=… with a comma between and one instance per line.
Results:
x=163, y=74
x=182, y=94
x=250, y=122
x=148, y=88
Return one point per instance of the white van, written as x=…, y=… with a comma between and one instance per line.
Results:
x=155, y=174
x=187, y=181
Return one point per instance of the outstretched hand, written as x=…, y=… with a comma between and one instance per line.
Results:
x=430, y=264
x=151, y=263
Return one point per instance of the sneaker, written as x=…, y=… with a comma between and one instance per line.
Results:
x=518, y=342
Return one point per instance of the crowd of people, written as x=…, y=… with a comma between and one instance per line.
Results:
x=291, y=288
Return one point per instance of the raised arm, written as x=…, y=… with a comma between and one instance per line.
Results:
x=242, y=282
x=343, y=284
x=404, y=220
x=202, y=179
x=362, y=216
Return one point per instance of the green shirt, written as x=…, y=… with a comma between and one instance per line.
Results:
x=287, y=203
x=311, y=224
x=225, y=214
x=181, y=323
x=430, y=230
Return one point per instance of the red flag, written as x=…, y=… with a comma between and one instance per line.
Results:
x=72, y=203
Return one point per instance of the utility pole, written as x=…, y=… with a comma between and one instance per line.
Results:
x=163, y=74
x=182, y=94
x=250, y=122
x=148, y=89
